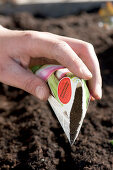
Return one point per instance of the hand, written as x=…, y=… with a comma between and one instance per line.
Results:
x=17, y=48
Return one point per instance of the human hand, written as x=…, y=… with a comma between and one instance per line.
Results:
x=17, y=48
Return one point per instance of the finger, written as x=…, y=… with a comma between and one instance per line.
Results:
x=17, y=76
x=60, y=51
x=90, y=59
x=95, y=84
x=87, y=54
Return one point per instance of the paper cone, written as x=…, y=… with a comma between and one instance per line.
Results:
x=69, y=97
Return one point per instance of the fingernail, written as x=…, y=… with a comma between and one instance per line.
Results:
x=99, y=91
x=87, y=74
x=40, y=92
x=92, y=98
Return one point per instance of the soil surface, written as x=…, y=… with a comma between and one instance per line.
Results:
x=30, y=135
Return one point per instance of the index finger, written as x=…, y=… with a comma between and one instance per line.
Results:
x=41, y=45
x=87, y=53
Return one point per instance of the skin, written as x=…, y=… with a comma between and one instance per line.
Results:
x=21, y=49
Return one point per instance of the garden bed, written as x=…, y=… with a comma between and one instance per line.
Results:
x=30, y=135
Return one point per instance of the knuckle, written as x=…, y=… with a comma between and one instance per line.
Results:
x=27, y=35
x=79, y=69
x=88, y=46
x=28, y=39
x=58, y=48
x=29, y=85
x=60, y=44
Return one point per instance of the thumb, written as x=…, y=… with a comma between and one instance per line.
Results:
x=21, y=78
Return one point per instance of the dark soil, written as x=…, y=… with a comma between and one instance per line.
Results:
x=30, y=135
